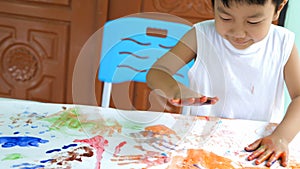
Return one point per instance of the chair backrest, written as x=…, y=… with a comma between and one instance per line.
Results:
x=131, y=45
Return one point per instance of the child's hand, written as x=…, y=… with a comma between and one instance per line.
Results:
x=194, y=101
x=270, y=149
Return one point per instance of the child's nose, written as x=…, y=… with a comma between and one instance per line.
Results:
x=238, y=32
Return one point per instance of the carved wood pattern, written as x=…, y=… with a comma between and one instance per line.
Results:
x=201, y=9
x=21, y=63
x=33, y=58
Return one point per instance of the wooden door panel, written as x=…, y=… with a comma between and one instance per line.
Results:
x=54, y=2
x=39, y=9
x=49, y=34
x=33, y=58
x=191, y=10
x=121, y=8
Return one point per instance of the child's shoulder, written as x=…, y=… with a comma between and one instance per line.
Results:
x=210, y=22
x=205, y=26
x=281, y=34
x=279, y=30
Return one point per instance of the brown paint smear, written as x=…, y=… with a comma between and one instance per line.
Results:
x=199, y=158
x=75, y=155
x=160, y=129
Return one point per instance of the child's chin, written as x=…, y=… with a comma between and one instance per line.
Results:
x=241, y=46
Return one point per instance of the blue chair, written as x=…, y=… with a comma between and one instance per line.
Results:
x=131, y=45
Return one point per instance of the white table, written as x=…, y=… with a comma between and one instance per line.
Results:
x=40, y=135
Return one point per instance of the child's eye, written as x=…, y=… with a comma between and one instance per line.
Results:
x=253, y=23
x=225, y=19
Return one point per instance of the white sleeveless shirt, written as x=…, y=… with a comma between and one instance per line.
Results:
x=249, y=82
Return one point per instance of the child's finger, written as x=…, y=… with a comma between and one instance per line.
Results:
x=253, y=146
x=263, y=157
x=175, y=101
x=257, y=153
x=275, y=156
x=212, y=100
x=284, y=159
x=194, y=101
x=200, y=100
x=206, y=101
x=188, y=101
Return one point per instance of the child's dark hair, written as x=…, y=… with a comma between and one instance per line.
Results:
x=257, y=2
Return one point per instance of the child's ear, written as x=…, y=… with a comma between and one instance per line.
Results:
x=280, y=7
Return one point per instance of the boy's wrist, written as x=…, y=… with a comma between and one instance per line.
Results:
x=282, y=136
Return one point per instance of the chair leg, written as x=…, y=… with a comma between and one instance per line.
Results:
x=106, y=94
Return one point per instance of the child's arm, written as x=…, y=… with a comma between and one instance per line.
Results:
x=160, y=74
x=275, y=146
x=290, y=125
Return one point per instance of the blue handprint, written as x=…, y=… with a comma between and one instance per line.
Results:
x=22, y=141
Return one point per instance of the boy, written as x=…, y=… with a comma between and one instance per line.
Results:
x=256, y=57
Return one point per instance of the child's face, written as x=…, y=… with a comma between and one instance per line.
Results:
x=243, y=24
